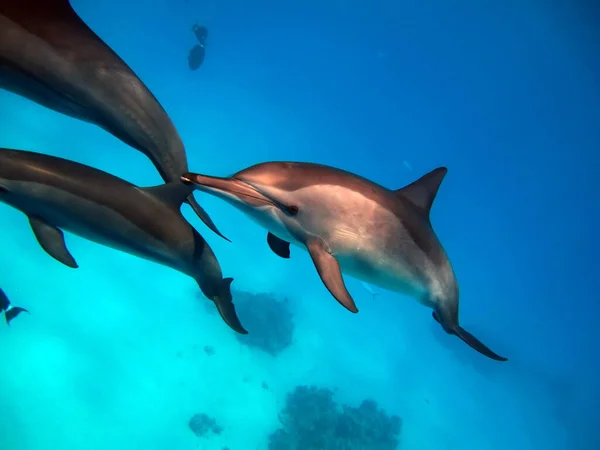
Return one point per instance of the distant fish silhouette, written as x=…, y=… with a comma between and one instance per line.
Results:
x=201, y=33
x=196, y=57
x=10, y=311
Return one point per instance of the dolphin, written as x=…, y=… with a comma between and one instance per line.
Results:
x=10, y=311
x=50, y=56
x=351, y=224
x=58, y=194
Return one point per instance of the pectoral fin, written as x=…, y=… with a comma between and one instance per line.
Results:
x=204, y=217
x=280, y=247
x=52, y=241
x=330, y=273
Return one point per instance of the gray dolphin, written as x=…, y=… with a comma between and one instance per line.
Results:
x=50, y=56
x=57, y=194
x=10, y=311
x=348, y=223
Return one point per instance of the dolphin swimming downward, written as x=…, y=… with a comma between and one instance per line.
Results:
x=57, y=194
x=50, y=56
x=348, y=223
x=10, y=311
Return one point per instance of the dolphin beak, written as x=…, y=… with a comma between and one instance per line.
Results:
x=186, y=178
x=230, y=189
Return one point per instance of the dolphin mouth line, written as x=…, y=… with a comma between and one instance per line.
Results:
x=259, y=195
x=243, y=191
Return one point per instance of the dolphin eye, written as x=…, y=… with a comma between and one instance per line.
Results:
x=293, y=210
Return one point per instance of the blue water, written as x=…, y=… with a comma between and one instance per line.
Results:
x=506, y=95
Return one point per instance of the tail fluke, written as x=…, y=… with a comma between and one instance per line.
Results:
x=13, y=312
x=10, y=312
x=224, y=302
x=477, y=344
x=471, y=340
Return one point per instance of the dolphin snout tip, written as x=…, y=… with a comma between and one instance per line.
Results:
x=187, y=178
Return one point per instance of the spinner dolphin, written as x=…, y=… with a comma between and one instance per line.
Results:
x=350, y=224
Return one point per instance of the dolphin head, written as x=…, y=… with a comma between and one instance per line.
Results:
x=263, y=192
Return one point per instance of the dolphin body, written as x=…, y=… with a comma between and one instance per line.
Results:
x=57, y=194
x=348, y=223
x=50, y=56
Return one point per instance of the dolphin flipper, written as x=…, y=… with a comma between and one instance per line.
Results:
x=280, y=247
x=330, y=273
x=204, y=216
x=52, y=241
x=175, y=193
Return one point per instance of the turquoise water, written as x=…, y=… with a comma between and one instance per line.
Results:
x=122, y=352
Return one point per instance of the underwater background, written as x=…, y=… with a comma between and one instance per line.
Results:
x=123, y=353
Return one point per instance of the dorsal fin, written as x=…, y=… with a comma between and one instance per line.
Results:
x=422, y=192
x=173, y=194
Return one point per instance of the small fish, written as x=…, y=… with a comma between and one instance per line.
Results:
x=196, y=54
x=196, y=57
x=10, y=311
x=369, y=288
x=201, y=33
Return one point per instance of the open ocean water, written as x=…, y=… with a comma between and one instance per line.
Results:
x=122, y=353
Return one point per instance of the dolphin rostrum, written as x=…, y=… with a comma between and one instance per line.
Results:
x=57, y=194
x=50, y=56
x=10, y=311
x=348, y=223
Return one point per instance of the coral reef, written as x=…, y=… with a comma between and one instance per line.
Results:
x=202, y=424
x=269, y=321
x=312, y=420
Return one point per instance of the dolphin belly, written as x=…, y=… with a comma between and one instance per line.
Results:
x=372, y=245
x=390, y=275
